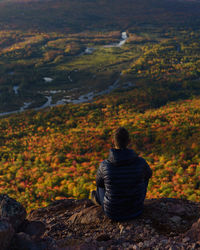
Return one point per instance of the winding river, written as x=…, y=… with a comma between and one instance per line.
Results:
x=83, y=98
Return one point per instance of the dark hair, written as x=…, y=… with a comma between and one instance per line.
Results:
x=121, y=138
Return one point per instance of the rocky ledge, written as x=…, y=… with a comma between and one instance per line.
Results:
x=78, y=224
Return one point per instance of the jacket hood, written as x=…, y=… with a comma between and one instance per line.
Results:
x=122, y=156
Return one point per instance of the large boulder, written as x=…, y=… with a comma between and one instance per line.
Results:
x=35, y=229
x=24, y=241
x=194, y=233
x=12, y=210
x=6, y=234
x=88, y=215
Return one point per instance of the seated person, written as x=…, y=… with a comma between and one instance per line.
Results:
x=122, y=180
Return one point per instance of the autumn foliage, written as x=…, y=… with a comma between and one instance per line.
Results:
x=54, y=154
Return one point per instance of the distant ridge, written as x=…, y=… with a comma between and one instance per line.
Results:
x=77, y=15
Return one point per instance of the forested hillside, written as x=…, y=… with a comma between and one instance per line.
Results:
x=77, y=15
x=53, y=154
x=113, y=63
x=54, y=52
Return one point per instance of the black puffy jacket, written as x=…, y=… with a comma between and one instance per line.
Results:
x=124, y=176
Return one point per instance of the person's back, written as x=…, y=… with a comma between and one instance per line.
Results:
x=123, y=180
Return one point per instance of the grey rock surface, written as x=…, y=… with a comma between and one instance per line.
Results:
x=6, y=234
x=164, y=224
x=12, y=210
x=78, y=224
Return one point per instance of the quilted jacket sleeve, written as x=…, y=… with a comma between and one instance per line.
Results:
x=99, y=176
x=147, y=171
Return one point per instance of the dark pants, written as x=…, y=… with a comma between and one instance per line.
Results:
x=101, y=192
